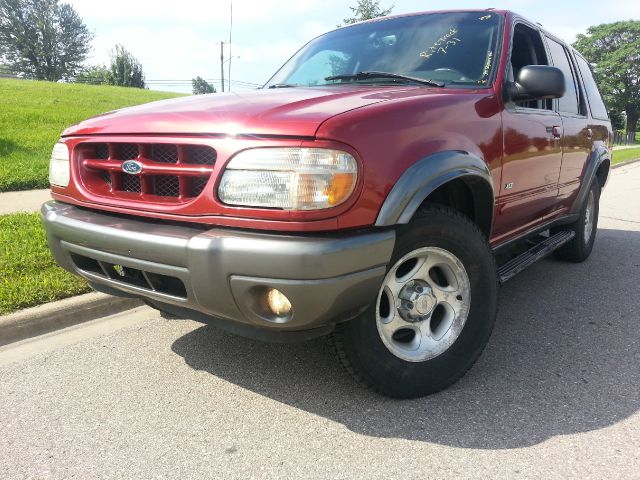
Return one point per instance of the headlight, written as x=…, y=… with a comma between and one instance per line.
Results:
x=289, y=178
x=59, y=165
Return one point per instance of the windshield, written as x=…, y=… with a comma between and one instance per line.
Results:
x=452, y=48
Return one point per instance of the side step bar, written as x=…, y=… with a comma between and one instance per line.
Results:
x=535, y=253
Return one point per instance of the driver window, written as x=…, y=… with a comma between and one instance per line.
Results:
x=528, y=49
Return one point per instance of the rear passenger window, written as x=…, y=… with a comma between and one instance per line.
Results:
x=569, y=102
x=598, y=109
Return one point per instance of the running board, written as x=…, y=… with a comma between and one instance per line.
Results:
x=535, y=253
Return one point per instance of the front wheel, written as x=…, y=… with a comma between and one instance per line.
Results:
x=434, y=311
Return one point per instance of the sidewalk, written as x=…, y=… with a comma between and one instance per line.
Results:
x=25, y=201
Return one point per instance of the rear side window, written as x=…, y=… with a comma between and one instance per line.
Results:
x=598, y=109
x=569, y=102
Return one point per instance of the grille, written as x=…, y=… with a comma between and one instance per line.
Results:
x=131, y=183
x=126, y=151
x=200, y=155
x=102, y=151
x=164, y=153
x=198, y=185
x=174, y=172
x=167, y=185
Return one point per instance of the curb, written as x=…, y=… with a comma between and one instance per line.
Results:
x=624, y=164
x=52, y=316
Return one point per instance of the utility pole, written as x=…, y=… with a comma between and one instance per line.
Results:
x=222, y=66
x=230, y=30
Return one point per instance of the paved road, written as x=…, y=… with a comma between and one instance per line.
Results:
x=555, y=395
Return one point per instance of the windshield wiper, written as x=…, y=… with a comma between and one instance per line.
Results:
x=397, y=76
x=282, y=85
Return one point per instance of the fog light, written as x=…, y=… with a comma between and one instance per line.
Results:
x=277, y=303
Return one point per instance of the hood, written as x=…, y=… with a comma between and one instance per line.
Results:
x=285, y=111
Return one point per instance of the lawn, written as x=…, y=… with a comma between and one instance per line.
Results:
x=620, y=156
x=28, y=273
x=33, y=114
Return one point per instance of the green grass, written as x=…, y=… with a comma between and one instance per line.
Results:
x=28, y=274
x=620, y=156
x=33, y=114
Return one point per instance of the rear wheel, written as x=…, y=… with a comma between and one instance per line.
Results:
x=579, y=248
x=434, y=312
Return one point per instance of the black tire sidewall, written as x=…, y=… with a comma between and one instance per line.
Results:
x=394, y=376
x=586, y=247
x=578, y=250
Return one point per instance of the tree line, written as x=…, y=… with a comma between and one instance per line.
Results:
x=47, y=40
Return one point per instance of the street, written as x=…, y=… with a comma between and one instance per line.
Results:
x=556, y=394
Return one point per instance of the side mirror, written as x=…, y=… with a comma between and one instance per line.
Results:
x=537, y=82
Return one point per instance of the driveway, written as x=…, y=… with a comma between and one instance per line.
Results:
x=556, y=394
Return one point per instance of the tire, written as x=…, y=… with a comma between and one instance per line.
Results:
x=451, y=310
x=579, y=248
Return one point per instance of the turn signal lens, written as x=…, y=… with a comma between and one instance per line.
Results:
x=340, y=188
x=289, y=178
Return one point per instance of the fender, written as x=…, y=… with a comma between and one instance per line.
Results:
x=600, y=155
x=431, y=172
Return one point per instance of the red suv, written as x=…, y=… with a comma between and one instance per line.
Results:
x=378, y=188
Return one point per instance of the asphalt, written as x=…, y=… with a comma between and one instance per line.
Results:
x=556, y=394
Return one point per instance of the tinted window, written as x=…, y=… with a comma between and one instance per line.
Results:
x=598, y=109
x=459, y=49
x=568, y=103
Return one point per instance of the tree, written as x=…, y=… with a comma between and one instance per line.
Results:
x=125, y=69
x=42, y=39
x=617, y=119
x=366, y=10
x=201, y=86
x=6, y=71
x=93, y=75
x=614, y=51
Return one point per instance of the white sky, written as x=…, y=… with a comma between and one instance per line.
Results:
x=179, y=40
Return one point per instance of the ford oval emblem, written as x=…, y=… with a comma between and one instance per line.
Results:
x=132, y=167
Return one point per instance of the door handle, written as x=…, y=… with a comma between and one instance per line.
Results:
x=556, y=132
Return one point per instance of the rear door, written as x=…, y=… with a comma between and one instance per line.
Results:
x=598, y=121
x=577, y=137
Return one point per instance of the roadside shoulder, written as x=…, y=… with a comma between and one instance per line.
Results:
x=63, y=313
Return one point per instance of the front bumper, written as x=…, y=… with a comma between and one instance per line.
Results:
x=221, y=273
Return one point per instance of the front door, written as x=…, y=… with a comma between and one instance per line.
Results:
x=532, y=136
